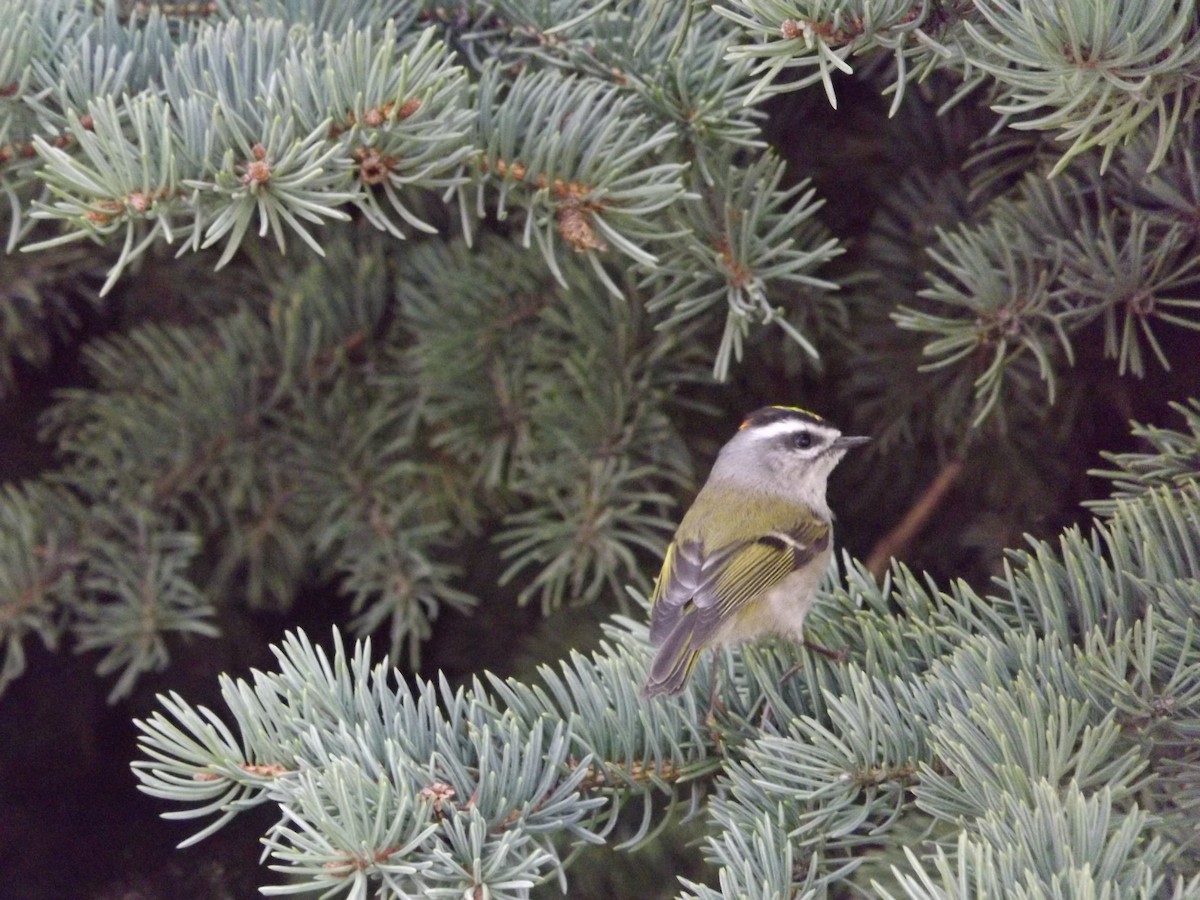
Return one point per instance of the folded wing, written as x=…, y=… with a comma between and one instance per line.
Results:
x=699, y=593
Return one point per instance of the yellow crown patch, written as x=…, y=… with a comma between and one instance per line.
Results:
x=770, y=414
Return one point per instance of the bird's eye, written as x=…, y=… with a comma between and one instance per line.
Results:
x=802, y=441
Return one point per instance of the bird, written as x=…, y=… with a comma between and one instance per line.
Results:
x=749, y=553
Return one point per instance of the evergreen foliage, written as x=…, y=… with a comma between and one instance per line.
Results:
x=1037, y=739
x=362, y=284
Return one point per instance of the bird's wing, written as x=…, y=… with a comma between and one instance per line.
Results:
x=697, y=593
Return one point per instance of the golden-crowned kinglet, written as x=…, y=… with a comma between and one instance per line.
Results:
x=748, y=555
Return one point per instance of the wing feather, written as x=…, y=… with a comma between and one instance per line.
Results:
x=698, y=593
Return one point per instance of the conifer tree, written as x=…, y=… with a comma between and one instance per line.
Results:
x=441, y=307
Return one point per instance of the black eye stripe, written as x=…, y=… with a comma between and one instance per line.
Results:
x=799, y=440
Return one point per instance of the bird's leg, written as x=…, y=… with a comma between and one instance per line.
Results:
x=714, y=704
x=789, y=673
x=713, y=698
x=839, y=655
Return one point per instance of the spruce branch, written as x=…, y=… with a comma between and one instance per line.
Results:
x=904, y=411
x=380, y=529
x=22, y=42
x=282, y=180
x=1094, y=72
x=42, y=299
x=352, y=420
x=407, y=122
x=669, y=56
x=39, y=561
x=978, y=731
x=478, y=796
x=554, y=401
x=248, y=125
x=748, y=239
x=127, y=186
x=1134, y=275
x=1055, y=257
x=580, y=163
x=1170, y=457
x=328, y=18
x=273, y=124
x=820, y=35
x=1170, y=193
x=1007, y=302
x=1065, y=840
x=472, y=322
x=352, y=442
x=83, y=58
x=238, y=464
x=595, y=479
x=585, y=536
x=137, y=600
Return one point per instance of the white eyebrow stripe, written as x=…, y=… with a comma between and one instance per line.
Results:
x=775, y=429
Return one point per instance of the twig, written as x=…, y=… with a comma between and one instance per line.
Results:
x=897, y=541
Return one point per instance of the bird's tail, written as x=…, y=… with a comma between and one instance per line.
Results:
x=669, y=672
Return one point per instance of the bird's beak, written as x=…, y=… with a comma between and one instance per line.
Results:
x=846, y=441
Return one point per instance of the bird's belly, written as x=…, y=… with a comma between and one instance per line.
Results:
x=782, y=609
